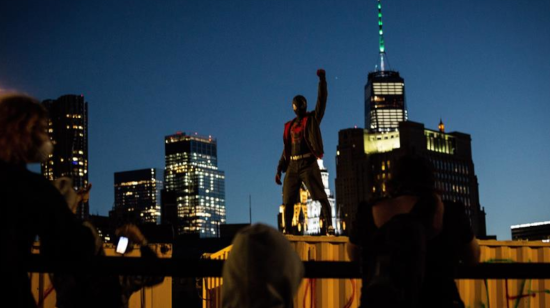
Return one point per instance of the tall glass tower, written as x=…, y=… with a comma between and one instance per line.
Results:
x=194, y=188
x=68, y=130
x=384, y=92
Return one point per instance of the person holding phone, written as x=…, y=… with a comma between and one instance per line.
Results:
x=101, y=290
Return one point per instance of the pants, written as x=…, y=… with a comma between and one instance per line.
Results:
x=306, y=171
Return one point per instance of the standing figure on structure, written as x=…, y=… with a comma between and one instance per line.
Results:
x=303, y=145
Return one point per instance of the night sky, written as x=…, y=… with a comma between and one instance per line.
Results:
x=230, y=69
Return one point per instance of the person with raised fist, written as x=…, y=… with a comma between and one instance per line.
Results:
x=303, y=146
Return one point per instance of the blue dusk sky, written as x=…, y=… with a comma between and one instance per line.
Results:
x=229, y=69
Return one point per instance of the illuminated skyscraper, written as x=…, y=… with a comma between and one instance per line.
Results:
x=136, y=197
x=365, y=157
x=384, y=92
x=68, y=130
x=384, y=101
x=193, y=198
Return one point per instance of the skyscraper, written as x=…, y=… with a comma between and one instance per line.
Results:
x=366, y=174
x=384, y=92
x=384, y=101
x=68, y=130
x=193, y=198
x=365, y=157
x=136, y=197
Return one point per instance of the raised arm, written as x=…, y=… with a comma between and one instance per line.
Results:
x=321, y=96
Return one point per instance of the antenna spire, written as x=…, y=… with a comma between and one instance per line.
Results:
x=381, y=45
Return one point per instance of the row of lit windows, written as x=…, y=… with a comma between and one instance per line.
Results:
x=183, y=137
x=208, y=198
x=395, y=88
x=388, y=117
x=187, y=155
x=74, y=116
x=455, y=167
x=454, y=188
x=440, y=143
x=146, y=183
x=201, y=160
x=454, y=178
x=464, y=200
x=75, y=127
x=189, y=166
x=388, y=112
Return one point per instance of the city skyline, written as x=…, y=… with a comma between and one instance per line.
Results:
x=230, y=69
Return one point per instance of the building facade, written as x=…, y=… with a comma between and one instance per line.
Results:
x=385, y=104
x=68, y=130
x=537, y=231
x=193, y=198
x=314, y=207
x=136, y=197
x=364, y=163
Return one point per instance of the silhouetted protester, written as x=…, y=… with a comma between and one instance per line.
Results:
x=401, y=238
x=97, y=290
x=262, y=270
x=455, y=243
x=303, y=146
x=31, y=205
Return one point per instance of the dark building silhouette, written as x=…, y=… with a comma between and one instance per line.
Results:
x=193, y=198
x=104, y=226
x=364, y=163
x=537, y=231
x=351, y=174
x=68, y=130
x=136, y=197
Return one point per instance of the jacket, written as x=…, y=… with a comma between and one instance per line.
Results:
x=311, y=123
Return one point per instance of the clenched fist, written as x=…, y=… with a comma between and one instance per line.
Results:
x=321, y=74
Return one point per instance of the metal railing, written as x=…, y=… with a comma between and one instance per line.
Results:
x=175, y=267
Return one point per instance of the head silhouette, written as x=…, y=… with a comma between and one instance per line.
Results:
x=23, y=125
x=299, y=105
